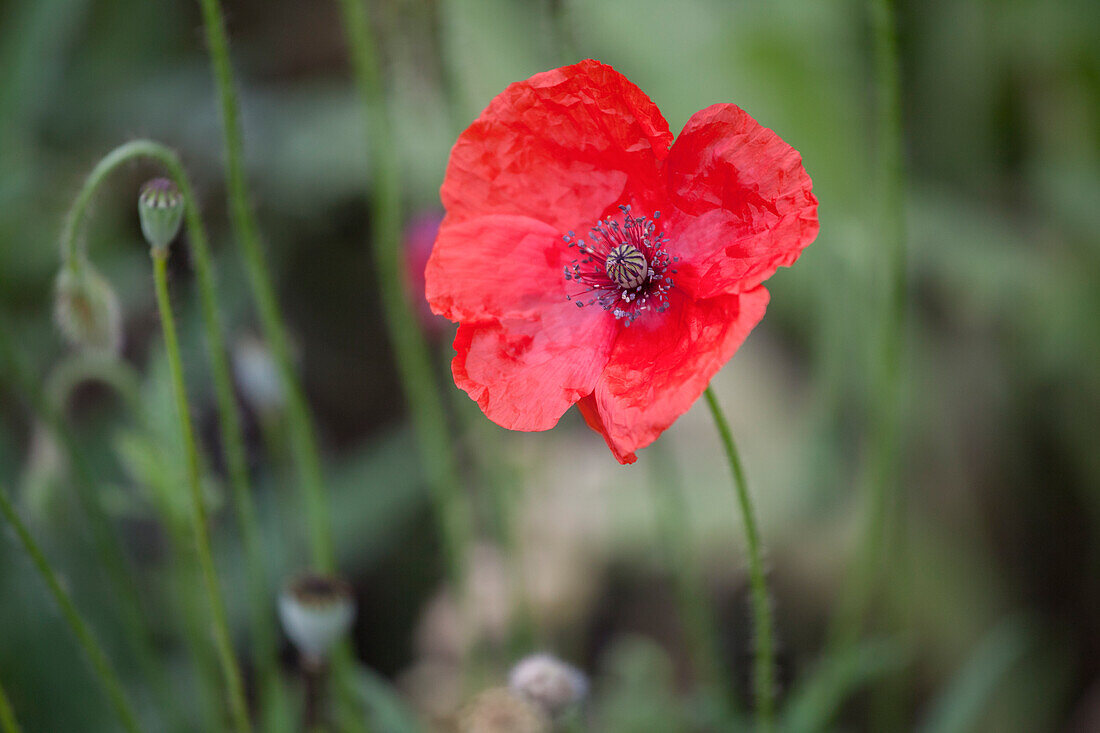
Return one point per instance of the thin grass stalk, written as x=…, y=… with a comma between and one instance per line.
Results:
x=234, y=684
x=696, y=614
x=764, y=652
x=120, y=572
x=496, y=468
x=882, y=475
x=101, y=665
x=8, y=723
x=563, y=28
x=300, y=422
x=413, y=360
x=230, y=424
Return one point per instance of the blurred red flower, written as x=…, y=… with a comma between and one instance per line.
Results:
x=590, y=260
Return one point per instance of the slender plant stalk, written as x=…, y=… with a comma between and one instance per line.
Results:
x=8, y=723
x=235, y=686
x=883, y=546
x=115, y=563
x=764, y=659
x=563, y=27
x=232, y=434
x=499, y=472
x=413, y=360
x=302, y=433
x=696, y=615
x=101, y=665
x=449, y=82
x=885, y=418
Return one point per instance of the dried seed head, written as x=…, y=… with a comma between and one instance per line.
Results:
x=160, y=208
x=87, y=310
x=499, y=710
x=316, y=610
x=548, y=682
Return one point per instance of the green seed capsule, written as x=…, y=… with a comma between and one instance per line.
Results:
x=160, y=208
x=626, y=266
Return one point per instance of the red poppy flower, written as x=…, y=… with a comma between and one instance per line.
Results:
x=590, y=260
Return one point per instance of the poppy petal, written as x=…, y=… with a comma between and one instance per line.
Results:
x=525, y=373
x=563, y=147
x=496, y=267
x=661, y=364
x=590, y=411
x=743, y=204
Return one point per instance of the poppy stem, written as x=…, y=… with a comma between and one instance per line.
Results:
x=101, y=665
x=764, y=659
x=300, y=422
x=412, y=356
x=230, y=423
x=230, y=670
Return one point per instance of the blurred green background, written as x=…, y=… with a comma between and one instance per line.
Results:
x=989, y=618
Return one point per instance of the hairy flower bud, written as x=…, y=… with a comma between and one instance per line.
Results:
x=500, y=710
x=160, y=208
x=87, y=310
x=316, y=610
x=548, y=682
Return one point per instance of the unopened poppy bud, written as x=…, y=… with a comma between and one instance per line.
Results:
x=160, y=208
x=316, y=610
x=549, y=683
x=500, y=710
x=87, y=310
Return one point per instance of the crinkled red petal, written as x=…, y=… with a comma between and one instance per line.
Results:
x=496, y=267
x=563, y=147
x=741, y=202
x=662, y=363
x=590, y=411
x=525, y=373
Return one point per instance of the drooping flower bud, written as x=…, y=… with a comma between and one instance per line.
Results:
x=316, y=610
x=87, y=310
x=549, y=683
x=160, y=208
x=500, y=710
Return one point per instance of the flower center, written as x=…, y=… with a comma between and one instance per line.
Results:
x=624, y=268
x=626, y=265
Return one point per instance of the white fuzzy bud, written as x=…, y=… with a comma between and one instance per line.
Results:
x=548, y=682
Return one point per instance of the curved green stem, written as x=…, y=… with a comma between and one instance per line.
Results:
x=101, y=665
x=764, y=659
x=234, y=684
x=302, y=432
x=230, y=425
x=413, y=360
x=83, y=366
